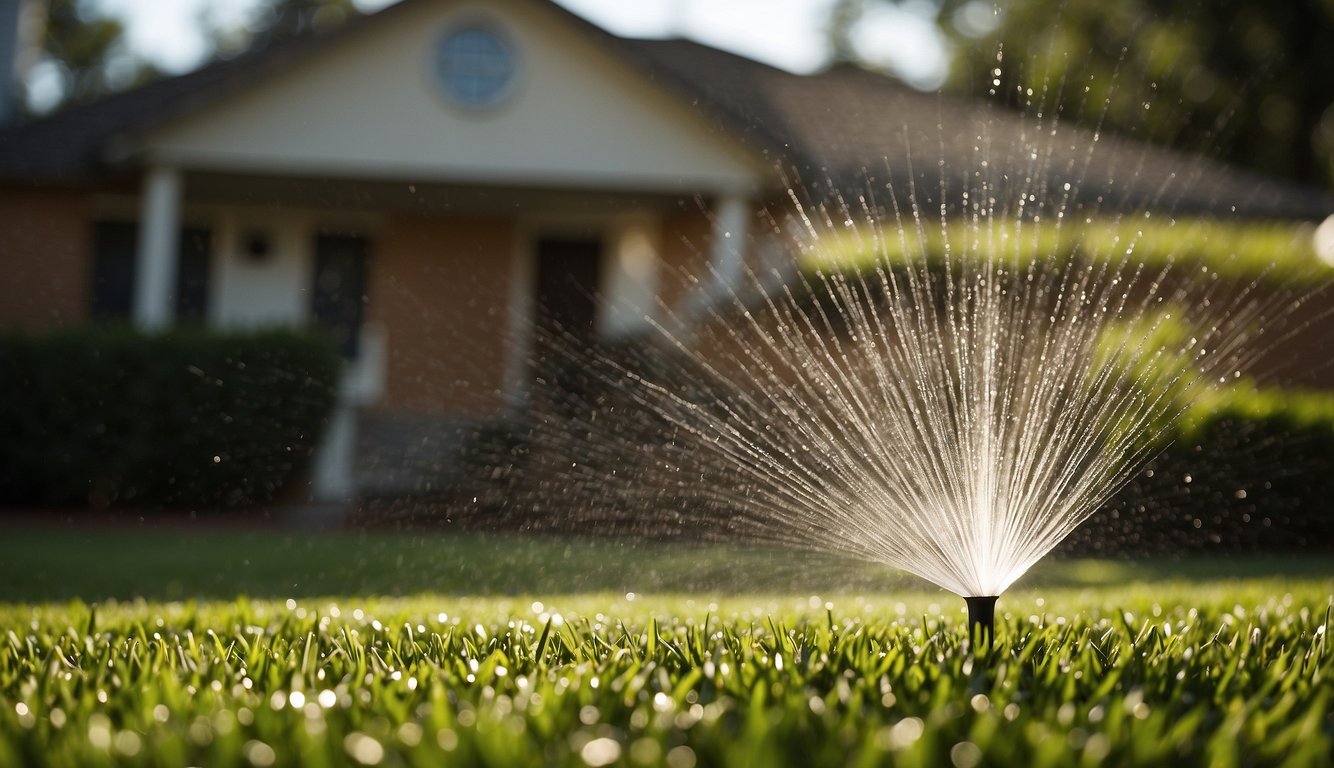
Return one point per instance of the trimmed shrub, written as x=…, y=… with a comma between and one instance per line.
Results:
x=1249, y=471
x=1283, y=252
x=189, y=418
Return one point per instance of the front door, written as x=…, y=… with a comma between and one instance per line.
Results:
x=568, y=277
x=338, y=299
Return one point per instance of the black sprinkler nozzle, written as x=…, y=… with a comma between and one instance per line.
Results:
x=981, y=620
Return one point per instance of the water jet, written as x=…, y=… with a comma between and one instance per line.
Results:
x=947, y=385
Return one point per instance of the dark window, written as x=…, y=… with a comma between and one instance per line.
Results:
x=115, y=253
x=114, y=244
x=476, y=66
x=567, y=288
x=196, y=251
x=340, y=288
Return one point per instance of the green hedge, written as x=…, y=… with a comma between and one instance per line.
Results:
x=1249, y=471
x=189, y=419
x=1281, y=251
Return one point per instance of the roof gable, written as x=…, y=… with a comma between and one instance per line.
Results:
x=679, y=117
x=369, y=105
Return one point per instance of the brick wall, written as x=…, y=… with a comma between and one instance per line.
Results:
x=45, y=258
x=686, y=238
x=440, y=286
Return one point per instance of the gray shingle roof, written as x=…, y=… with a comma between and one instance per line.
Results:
x=71, y=145
x=862, y=129
x=845, y=127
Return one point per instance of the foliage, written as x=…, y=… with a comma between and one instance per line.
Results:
x=1249, y=80
x=89, y=51
x=1276, y=251
x=1187, y=674
x=1245, y=401
x=1248, y=469
x=189, y=419
x=273, y=21
x=840, y=27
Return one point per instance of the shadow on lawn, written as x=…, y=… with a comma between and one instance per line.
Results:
x=44, y=565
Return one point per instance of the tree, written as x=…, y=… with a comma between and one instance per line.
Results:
x=839, y=29
x=1248, y=81
x=87, y=52
x=273, y=21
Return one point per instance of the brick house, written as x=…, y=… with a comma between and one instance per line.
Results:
x=434, y=182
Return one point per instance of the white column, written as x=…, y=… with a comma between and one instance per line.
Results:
x=630, y=276
x=334, y=471
x=520, y=323
x=159, y=235
x=731, y=222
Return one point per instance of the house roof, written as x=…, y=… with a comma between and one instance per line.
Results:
x=73, y=144
x=855, y=130
x=844, y=129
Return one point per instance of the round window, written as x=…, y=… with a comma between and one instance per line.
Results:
x=475, y=66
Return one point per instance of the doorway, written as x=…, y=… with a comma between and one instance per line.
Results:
x=339, y=295
x=568, y=282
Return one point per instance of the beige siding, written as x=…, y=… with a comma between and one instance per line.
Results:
x=370, y=106
x=440, y=289
x=45, y=258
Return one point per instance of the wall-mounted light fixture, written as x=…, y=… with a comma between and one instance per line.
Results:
x=257, y=245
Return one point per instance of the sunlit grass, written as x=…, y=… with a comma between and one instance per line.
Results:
x=1097, y=662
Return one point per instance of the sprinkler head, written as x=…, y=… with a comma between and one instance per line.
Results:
x=981, y=620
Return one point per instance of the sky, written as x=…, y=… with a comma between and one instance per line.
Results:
x=785, y=33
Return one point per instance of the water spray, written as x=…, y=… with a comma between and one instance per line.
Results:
x=955, y=416
x=982, y=619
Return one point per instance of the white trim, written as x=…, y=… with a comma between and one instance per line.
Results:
x=332, y=475
x=523, y=270
x=427, y=171
x=727, y=251
x=630, y=279
x=364, y=378
x=159, y=240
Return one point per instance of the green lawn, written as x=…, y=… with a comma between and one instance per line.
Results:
x=341, y=649
x=97, y=564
